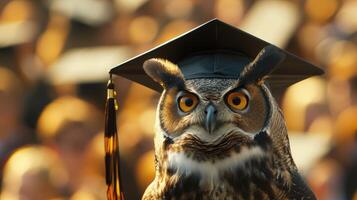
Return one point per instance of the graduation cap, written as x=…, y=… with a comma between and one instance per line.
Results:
x=212, y=50
x=216, y=37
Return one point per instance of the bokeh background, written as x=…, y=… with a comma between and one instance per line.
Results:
x=54, y=60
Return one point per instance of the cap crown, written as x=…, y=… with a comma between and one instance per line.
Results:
x=215, y=50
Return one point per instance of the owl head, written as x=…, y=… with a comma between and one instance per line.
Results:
x=205, y=115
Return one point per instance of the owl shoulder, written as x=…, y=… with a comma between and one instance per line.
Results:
x=299, y=188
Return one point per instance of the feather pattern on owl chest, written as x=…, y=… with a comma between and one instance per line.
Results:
x=199, y=171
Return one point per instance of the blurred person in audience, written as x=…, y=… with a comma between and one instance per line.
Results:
x=68, y=125
x=135, y=134
x=33, y=173
x=346, y=149
x=12, y=133
x=353, y=83
x=334, y=176
x=93, y=186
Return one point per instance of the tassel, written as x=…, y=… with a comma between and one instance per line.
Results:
x=112, y=159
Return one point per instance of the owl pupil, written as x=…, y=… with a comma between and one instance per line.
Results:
x=236, y=101
x=188, y=102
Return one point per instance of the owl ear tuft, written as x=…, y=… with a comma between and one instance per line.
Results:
x=164, y=72
x=263, y=64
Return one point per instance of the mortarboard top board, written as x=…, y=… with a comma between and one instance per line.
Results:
x=229, y=47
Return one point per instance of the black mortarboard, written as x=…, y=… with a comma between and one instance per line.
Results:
x=216, y=50
x=212, y=50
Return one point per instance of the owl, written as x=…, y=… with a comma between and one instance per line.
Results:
x=224, y=136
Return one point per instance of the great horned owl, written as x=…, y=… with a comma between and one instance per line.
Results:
x=219, y=131
x=221, y=138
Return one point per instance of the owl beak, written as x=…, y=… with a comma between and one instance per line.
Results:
x=210, y=122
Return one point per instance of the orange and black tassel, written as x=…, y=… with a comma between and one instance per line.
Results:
x=112, y=157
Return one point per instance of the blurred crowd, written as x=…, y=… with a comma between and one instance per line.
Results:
x=54, y=62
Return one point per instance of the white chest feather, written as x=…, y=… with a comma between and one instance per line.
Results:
x=208, y=170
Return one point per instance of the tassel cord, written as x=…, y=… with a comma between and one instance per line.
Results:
x=111, y=143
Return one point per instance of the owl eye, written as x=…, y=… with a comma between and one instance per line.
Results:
x=237, y=100
x=187, y=102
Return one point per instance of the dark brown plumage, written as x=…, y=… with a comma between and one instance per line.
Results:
x=246, y=155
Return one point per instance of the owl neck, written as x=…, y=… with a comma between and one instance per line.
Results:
x=275, y=126
x=252, y=166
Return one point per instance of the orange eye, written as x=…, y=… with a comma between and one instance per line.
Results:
x=187, y=102
x=237, y=100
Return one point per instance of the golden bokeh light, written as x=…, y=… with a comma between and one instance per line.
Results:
x=146, y=121
x=298, y=97
x=136, y=120
x=346, y=127
x=321, y=175
x=338, y=92
x=17, y=11
x=342, y=60
x=309, y=37
x=143, y=29
x=9, y=83
x=82, y=195
x=94, y=157
x=71, y=109
x=321, y=10
x=230, y=11
x=52, y=41
x=347, y=17
x=179, y=8
x=34, y=160
x=272, y=21
x=145, y=170
x=174, y=29
x=322, y=124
